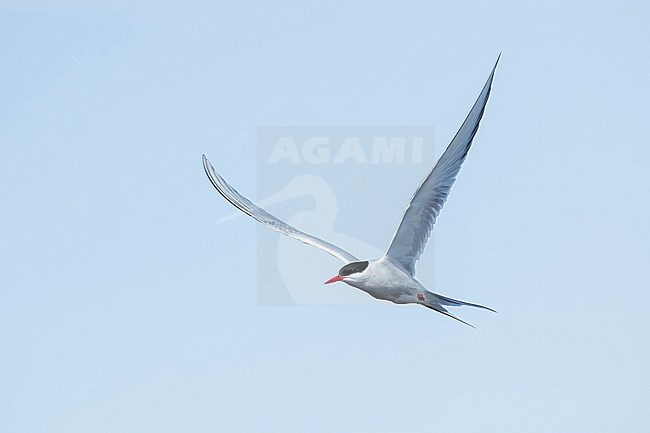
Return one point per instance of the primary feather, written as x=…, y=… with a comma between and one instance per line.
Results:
x=417, y=223
x=271, y=221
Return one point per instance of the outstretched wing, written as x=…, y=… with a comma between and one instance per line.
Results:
x=250, y=209
x=420, y=216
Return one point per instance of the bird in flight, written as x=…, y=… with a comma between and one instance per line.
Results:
x=391, y=277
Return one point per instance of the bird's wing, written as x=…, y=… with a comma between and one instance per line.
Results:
x=420, y=216
x=250, y=209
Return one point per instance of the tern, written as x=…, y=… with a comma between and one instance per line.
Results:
x=391, y=277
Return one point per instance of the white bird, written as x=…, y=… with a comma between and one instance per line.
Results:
x=391, y=277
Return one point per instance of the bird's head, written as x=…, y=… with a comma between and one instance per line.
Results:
x=349, y=272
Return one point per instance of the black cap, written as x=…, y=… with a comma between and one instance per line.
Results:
x=353, y=268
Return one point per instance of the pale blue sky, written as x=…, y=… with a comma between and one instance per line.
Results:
x=125, y=308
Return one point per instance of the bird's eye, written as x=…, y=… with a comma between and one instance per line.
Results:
x=345, y=272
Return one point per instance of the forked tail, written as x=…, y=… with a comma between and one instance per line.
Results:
x=440, y=309
x=436, y=304
x=443, y=300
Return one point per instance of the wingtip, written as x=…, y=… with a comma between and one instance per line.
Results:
x=210, y=171
x=490, y=79
x=206, y=163
x=496, y=63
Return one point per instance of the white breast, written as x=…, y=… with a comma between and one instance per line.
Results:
x=383, y=280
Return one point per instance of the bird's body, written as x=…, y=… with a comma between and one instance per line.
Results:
x=391, y=277
x=385, y=280
x=389, y=281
